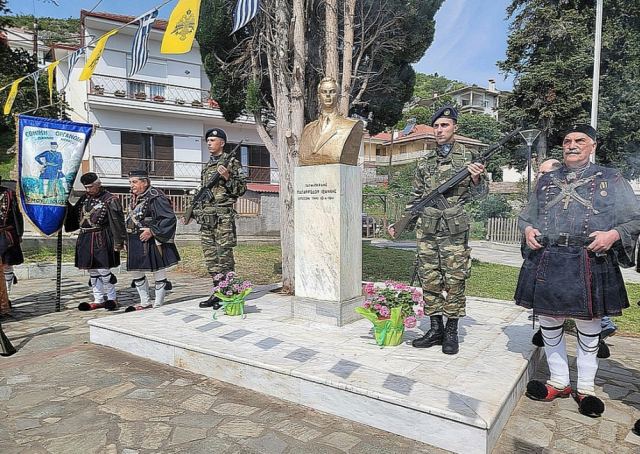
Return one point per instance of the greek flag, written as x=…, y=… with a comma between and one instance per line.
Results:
x=245, y=11
x=73, y=59
x=139, y=51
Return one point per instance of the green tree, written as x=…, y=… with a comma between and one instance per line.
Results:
x=280, y=56
x=550, y=55
x=488, y=130
x=428, y=85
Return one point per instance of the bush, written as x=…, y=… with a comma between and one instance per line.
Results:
x=493, y=206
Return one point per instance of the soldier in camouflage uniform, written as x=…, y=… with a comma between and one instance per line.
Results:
x=217, y=217
x=443, y=251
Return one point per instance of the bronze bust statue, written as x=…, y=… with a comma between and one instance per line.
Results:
x=332, y=138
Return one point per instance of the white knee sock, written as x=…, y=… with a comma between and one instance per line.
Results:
x=96, y=286
x=142, y=286
x=555, y=349
x=587, y=354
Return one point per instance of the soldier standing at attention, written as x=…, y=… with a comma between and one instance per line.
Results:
x=217, y=217
x=444, y=256
x=99, y=217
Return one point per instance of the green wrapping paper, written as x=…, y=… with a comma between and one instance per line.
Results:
x=388, y=332
x=233, y=305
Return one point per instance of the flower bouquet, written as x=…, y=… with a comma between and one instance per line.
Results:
x=391, y=307
x=232, y=291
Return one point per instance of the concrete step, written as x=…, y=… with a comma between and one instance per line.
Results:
x=459, y=402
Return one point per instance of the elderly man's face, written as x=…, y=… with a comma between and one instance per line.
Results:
x=138, y=185
x=93, y=189
x=328, y=94
x=576, y=149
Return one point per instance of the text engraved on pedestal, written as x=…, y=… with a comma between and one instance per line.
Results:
x=316, y=192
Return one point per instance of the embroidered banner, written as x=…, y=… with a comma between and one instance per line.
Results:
x=49, y=156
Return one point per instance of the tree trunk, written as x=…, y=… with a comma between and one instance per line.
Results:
x=331, y=39
x=347, y=56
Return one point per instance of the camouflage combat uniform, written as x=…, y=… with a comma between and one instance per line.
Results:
x=442, y=235
x=217, y=217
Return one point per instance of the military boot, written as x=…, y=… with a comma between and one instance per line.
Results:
x=450, y=341
x=433, y=336
x=213, y=302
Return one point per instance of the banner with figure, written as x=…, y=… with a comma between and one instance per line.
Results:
x=49, y=155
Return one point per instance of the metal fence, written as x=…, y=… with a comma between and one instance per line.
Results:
x=245, y=206
x=503, y=230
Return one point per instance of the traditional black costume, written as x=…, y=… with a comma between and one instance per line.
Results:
x=11, y=230
x=102, y=235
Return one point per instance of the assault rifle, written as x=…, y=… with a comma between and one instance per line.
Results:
x=437, y=197
x=204, y=195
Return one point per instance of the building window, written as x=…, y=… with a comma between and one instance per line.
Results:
x=258, y=164
x=152, y=152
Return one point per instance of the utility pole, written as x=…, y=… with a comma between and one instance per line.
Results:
x=35, y=40
x=596, y=69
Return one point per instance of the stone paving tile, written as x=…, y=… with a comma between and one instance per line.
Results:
x=61, y=394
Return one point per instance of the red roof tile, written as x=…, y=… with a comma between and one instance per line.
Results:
x=158, y=24
x=263, y=187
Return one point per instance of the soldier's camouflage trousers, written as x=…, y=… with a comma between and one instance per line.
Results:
x=444, y=265
x=218, y=237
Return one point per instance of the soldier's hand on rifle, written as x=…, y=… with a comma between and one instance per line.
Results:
x=475, y=169
x=224, y=173
x=530, y=234
x=146, y=234
x=392, y=231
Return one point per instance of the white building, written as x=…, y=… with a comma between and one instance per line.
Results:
x=472, y=99
x=21, y=39
x=155, y=119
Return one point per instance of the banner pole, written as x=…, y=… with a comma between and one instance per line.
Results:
x=59, y=242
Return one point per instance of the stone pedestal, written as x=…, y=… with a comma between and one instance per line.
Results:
x=328, y=242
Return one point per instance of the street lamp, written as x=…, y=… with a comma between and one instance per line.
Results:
x=529, y=136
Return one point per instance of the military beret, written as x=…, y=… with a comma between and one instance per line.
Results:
x=216, y=132
x=139, y=173
x=446, y=112
x=584, y=129
x=88, y=178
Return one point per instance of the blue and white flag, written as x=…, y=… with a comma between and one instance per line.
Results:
x=49, y=156
x=73, y=59
x=139, y=50
x=244, y=11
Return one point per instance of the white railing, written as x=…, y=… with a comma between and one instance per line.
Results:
x=503, y=230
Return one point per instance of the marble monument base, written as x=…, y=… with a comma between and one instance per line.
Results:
x=455, y=402
x=336, y=313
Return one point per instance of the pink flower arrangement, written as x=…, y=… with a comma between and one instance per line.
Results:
x=229, y=286
x=380, y=299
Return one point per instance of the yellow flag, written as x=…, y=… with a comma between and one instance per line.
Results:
x=12, y=95
x=50, y=69
x=181, y=30
x=94, y=58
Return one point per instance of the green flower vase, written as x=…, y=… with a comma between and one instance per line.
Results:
x=388, y=332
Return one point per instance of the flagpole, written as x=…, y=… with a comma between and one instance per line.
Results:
x=59, y=242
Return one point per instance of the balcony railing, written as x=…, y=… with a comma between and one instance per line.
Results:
x=244, y=206
x=141, y=90
x=161, y=169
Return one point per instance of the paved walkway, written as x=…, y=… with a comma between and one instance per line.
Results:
x=61, y=394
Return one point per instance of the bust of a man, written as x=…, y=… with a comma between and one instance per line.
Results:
x=332, y=138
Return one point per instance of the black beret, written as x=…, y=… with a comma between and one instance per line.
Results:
x=446, y=112
x=139, y=173
x=216, y=132
x=584, y=129
x=88, y=178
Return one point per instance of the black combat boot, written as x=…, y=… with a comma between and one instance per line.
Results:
x=213, y=302
x=450, y=341
x=433, y=336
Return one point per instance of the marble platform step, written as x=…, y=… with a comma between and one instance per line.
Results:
x=459, y=403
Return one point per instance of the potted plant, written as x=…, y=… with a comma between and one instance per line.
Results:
x=179, y=102
x=196, y=103
x=232, y=291
x=98, y=90
x=119, y=93
x=141, y=95
x=391, y=307
x=159, y=98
